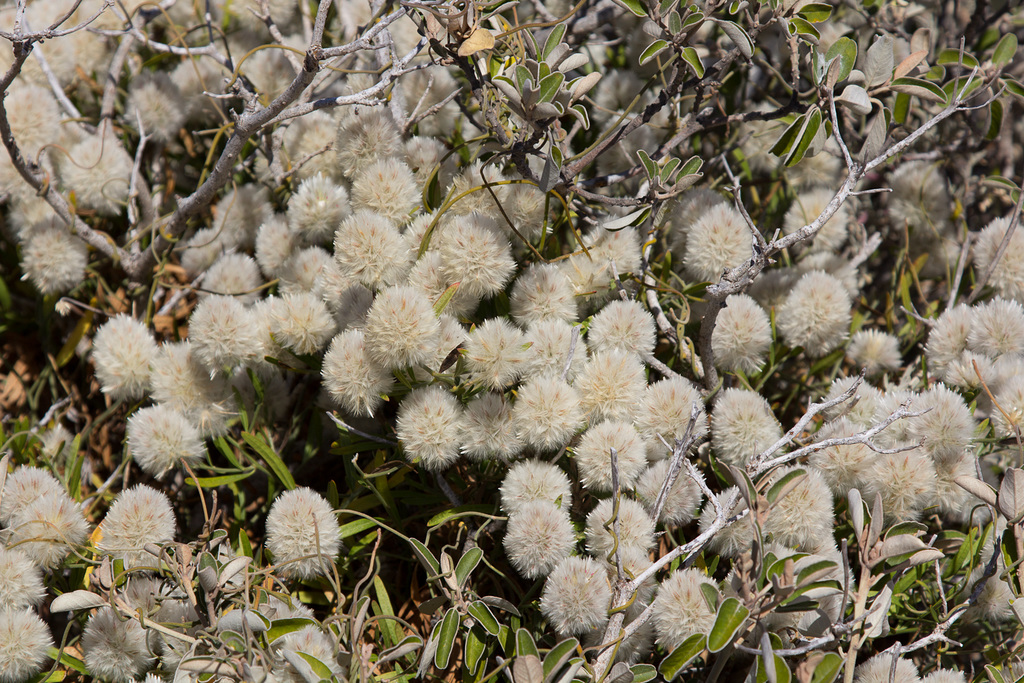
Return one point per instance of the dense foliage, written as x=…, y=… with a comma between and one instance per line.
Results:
x=440, y=339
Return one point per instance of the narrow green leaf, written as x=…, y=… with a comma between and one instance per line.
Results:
x=467, y=563
x=827, y=669
x=357, y=526
x=1005, y=50
x=652, y=51
x=525, y=644
x=918, y=87
x=691, y=57
x=444, y=299
x=213, y=482
x=557, y=656
x=777, y=487
x=995, y=119
x=738, y=35
x=446, y=638
x=319, y=668
x=475, y=647
x=263, y=449
x=901, y=107
x=815, y=12
x=788, y=137
x=461, y=511
x=810, y=128
x=553, y=39
x=728, y=622
x=681, y=657
x=649, y=166
x=425, y=556
x=69, y=661
x=484, y=617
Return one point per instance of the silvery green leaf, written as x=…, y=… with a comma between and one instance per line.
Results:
x=1011, y=495
x=856, y=99
x=68, y=602
x=582, y=85
x=573, y=61
x=879, y=62
x=876, y=621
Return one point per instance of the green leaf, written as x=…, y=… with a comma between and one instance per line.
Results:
x=788, y=137
x=634, y=6
x=553, y=40
x=812, y=122
x=446, y=638
x=675, y=23
x=918, y=87
x=357, y=526
x=650, y=167
x=393, y=635
x=728, y=622
x=282, y=627
x=643, y=673
x=263, y=449
x=525, y=644
x=995, y=119
x=738, y=35
x=482, y=614
x=425, y=556
x=1013, y=87
x=549, y=86
x=69, y=661
x=815, y=12
x=213, y=482
x=319, y=668
x=652, y=51
x=691, y=57
x=777, y=487
x=827, y=669
x=461, y=511
x=844, y=52
x=952, y=56
x=804, y=27
x=695, y=17
x=901, y=107
x=467, y=563
x=1005, y=50
x=444, y=299
x=557, y=656
x=475, y=647
x=681, y=657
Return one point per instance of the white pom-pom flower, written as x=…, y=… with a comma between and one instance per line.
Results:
x=122, y=351
x=303, y=533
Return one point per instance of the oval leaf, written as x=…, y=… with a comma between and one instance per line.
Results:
x=556, y=658
x=483, y=616
x=728, y=622
x=467, y=563
x=738, y=36
x=690, y=57
x=446, y=638
x=918, y=87
x=652, y=51
x=681, y=657
x=879, y=64
x=827, y=669
x=841, y=57
x=1006, y=48
x=643, y=673
x=69, y=602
